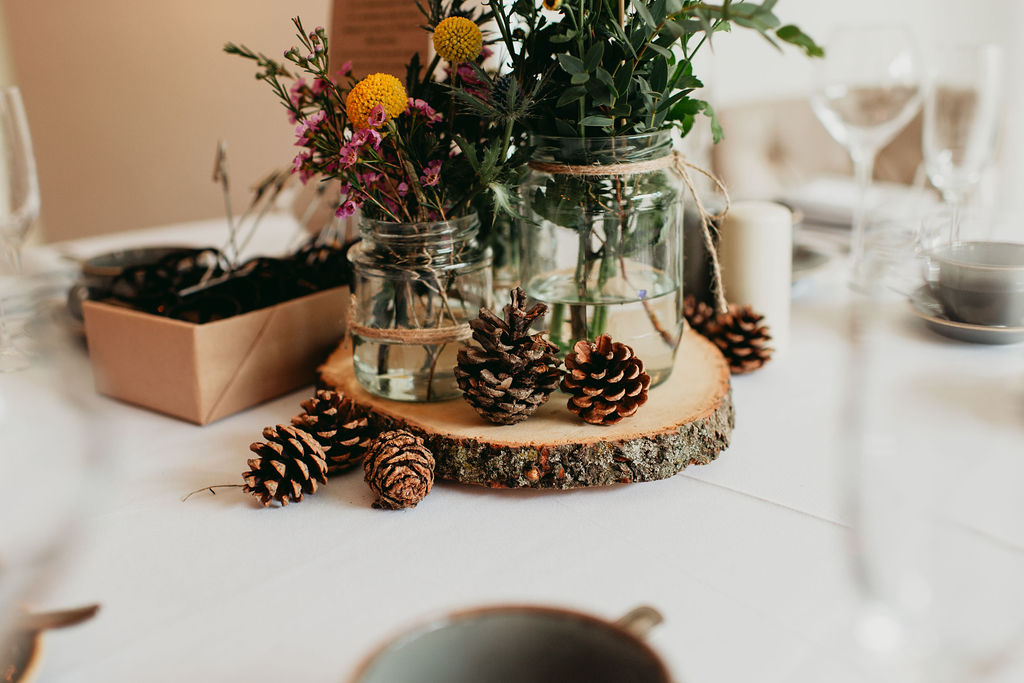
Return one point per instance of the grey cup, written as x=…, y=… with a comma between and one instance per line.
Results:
x=980, y=283
x=505, y=644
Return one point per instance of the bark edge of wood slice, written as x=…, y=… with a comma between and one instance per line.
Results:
x=688, y=420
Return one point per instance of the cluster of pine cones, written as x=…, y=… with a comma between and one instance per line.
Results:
x=333, y=436
x=510, y=373
x=505, y=377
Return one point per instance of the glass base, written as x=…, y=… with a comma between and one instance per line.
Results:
x=406, y=372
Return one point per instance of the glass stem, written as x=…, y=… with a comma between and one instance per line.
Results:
x=12, y=253
x=863, y=170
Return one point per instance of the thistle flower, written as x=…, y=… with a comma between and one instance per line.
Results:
x=458, y=39
x=375, y=89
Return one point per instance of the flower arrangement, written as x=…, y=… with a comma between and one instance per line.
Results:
x=401, y=149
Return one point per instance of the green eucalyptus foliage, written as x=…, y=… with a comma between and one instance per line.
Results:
x=601, y=68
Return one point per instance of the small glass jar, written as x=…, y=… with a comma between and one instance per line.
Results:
x=415, y=288
x=602, y=242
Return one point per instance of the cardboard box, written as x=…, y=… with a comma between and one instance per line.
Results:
x=202, y=373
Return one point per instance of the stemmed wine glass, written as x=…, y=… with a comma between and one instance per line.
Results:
x=866, y=89
x=19, y=208
x=960, y=116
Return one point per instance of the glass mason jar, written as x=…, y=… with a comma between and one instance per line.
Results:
x=605, y=250
x=415, y=287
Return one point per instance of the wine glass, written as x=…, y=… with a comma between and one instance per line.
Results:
x=19, y=208
x=934, y=483
x=961, y=110
x=866, y=89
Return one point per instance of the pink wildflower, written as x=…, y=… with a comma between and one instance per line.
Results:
x=308, y=126
x=403, y=189
x=320, y=86
x=417, y=106
x=431, y=173
x=347, y=208
x=377, y=116
x=345, y=69
x=367, y=135
x=295, y=93
x=349, y=155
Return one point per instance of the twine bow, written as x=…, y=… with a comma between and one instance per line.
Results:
x=677, y=162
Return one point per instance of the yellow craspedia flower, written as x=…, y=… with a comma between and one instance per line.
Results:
x=382, y=89
x=458, y=39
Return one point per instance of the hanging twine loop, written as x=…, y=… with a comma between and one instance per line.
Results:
x=423, y=335
x=677, y=162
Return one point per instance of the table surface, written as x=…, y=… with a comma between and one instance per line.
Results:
x=745, y=557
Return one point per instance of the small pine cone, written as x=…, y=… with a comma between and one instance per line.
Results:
x=339, y=426
x=741, y=338
x=512, y=372
x=290, y=464
x=606, y=381
x=399, y=469
x=697, y=313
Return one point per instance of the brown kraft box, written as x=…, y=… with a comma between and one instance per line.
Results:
x=202, y=373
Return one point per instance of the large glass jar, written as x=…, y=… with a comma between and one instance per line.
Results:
x=602, y=242
x=415, y=288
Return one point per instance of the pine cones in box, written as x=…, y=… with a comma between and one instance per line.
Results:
x=341, y=428
x=399, y=469
x=606, y=381
x=741, y=337
x=512, y=372
x=290, y=463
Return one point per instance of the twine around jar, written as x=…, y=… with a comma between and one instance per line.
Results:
x=422, y=335
x=674, y=161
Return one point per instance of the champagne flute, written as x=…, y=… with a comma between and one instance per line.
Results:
x=866, y=89
x=19, y=208
x=961, y=110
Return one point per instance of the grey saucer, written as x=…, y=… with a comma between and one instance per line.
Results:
x=930, y=310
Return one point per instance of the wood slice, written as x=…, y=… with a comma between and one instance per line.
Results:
x=687, y=420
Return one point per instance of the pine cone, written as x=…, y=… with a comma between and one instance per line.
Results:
x=290, y=463
x=339, y=426
x=741, y=338
x=697, y=313
x=399, y=469
x=606, y=380
x=512, y=372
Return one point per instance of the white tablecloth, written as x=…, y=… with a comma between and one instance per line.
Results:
x=746, y=557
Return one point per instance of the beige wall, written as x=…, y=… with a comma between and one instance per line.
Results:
x=127, y=99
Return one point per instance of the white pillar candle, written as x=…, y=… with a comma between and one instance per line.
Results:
x=755, y=249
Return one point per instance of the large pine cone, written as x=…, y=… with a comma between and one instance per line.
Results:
x=399, y=469
x=512, y=372
x=741, y=337
x=339, y=426
x=606, y=381
x=290, y=463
